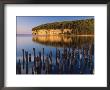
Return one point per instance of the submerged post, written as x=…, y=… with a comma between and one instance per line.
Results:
x=19, y=67
x=40, y=55
x=23, y=58
x=56, y=55
x=34, y=57
x=26, y=54
x=43, y=55
x=32, y=70
x=29, y=57
x=50, y=56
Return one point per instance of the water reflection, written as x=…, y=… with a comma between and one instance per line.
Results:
x=68, y=55
x=63, y=40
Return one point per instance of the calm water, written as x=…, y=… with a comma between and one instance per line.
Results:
x=79, y=51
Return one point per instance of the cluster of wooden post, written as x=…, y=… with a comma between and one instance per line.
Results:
x=72, y=58
x=18, y=67
x=26, y=60
x=65, y=60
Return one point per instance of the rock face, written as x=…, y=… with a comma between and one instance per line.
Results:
x=78, y=27
x=50, y=32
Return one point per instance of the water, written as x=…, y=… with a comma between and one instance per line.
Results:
x=81, y=63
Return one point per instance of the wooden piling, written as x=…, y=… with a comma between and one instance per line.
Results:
x=47, y=65
x=43, y=55
x=29, y=57
x=23, y=58
x=34, y=57
x=26, y=55
x=40, y=55
x=19, y=67
x=50, y=55
x=56, y=55
x=32, y=70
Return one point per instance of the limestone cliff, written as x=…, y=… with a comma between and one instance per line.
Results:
x=79, y=27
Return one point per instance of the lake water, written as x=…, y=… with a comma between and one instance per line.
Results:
x=76, y=54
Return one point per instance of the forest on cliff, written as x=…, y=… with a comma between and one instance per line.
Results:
x=77, y=27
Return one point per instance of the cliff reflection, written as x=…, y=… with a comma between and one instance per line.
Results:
x=63, y=40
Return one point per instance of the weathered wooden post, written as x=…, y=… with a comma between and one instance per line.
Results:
x=65, y=53
x=38, y=65
x=56, y=55
x=32, y=71
x=43, y=55
x=23, y=58
x=34, y=57
x=68, y=57
x=19, y=67
x=43, y=60
x=47, y=65
x=51, y=56
x=40, y=62
x=40, y=55
x=29, y=57
x=50, y=61
x=26, y=54
x=34, y=51
x=92, y=49
x=91, y=68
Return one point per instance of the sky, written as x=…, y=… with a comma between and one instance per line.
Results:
x=26, y=23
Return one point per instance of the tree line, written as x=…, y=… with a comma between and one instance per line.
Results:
x=77, y=27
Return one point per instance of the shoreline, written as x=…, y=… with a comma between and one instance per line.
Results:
x=56, y=35
x=67, y=35
x=84, y=35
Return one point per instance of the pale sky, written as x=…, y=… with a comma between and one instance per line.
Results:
x=26, y=23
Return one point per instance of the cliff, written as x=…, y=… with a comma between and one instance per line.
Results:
x=79, y=27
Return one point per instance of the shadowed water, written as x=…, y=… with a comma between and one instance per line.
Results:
x=61, y=54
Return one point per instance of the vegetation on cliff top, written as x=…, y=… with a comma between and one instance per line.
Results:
x=76, y=27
